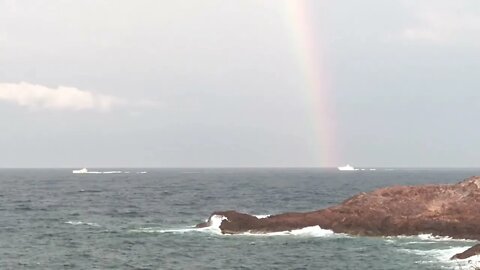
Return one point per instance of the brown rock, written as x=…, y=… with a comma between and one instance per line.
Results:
x=475, y=250
x=444, y=210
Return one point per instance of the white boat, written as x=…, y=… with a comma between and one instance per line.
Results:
x=84, y=170
x=346, y=168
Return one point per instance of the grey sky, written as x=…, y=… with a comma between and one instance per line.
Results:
x=217, y=83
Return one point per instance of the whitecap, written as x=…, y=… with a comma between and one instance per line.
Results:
x=77, y=222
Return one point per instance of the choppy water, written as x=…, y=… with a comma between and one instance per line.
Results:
x=52, y=219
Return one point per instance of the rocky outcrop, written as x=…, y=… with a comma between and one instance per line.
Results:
x=444, y=210
x=473, y=251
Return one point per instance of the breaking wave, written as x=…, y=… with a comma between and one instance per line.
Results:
x=261, y=216
x=313, y=231
x=216, y=221
x=425, y=246
x=443, y=255
x=214, y=228
x=436, y=249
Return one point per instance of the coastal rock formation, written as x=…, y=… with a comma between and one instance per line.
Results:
x=475, y=250
x=444, y=210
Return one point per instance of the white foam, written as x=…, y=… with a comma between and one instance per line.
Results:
x=416, y=242
x=158, y=230
x=215, y=221
x=436, y=249
x=261, y=216
x=315, y=231
x=214, y=227
x=443, y=256
x=76, y=222
x=312, y=231
x=430, y=237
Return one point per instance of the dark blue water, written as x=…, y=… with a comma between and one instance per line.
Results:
x=53, y=219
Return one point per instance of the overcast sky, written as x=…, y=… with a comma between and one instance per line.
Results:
x=218, y=83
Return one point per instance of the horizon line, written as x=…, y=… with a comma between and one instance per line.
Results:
x=245, y=167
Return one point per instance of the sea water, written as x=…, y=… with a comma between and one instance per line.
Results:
x=53, y=219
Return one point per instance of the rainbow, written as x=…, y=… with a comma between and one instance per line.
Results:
x=308, y=51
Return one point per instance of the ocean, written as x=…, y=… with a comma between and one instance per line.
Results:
x=53, y=219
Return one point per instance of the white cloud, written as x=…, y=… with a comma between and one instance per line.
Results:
x=60, y=98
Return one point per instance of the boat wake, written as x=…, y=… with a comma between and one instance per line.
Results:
x=86, y=171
